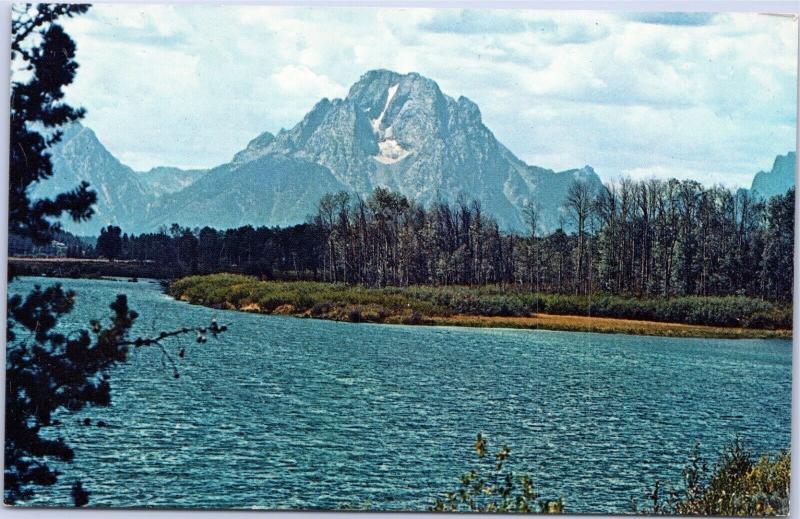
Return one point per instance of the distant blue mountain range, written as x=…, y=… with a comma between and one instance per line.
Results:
x=779, y=179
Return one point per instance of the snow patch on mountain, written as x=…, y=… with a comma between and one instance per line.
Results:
x=376, y=123
x=390, y=152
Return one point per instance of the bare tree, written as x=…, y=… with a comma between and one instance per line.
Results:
x=579, y=206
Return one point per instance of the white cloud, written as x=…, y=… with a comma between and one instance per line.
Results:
x=710, y=177
x=708, y=96
x=301, y=80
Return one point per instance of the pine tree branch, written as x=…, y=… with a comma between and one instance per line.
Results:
x=213, y=328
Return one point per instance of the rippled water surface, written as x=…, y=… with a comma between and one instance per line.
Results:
x=297, y=413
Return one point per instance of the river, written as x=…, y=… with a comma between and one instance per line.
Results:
x=290, y=413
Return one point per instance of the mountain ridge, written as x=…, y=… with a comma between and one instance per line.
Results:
x=391, y=130
x=779, y=179
x=122, y=196
x=162, y=180
x=401, y=132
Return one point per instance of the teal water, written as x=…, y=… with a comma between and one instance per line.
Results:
x=295, y=413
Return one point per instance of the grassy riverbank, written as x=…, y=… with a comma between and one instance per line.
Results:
x=730, y=317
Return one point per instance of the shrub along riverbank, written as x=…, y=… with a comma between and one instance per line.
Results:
x=739, y=483
x=491, y=307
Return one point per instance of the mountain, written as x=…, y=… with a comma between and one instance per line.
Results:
x=163, y=180
x=401, y=132
x=269, y=190
x=398, y=131
x=122, y=196
x=777, y=181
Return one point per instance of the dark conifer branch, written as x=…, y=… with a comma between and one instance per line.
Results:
x=47, y=371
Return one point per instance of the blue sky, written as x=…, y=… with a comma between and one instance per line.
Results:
x=690, y=95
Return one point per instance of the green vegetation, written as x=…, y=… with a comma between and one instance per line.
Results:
x=90, y=268
x=649, y=239
x=738, y=311
x=740, y=484
x=490, y=306
x=492, y=301
x=324, y=300
x=492, y=487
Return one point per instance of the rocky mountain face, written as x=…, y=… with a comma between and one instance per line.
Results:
x=123, y=197
x=779, y=179
x=398, y=131
x=401, y=132
x=268, y=190
x=163, y=180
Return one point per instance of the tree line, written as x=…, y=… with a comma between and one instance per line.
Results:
x=636, y=238
x=656, y=238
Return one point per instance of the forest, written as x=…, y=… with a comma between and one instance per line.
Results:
x=650, y=238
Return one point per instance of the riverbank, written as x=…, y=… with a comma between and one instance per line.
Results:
x=87, y=268
x=488, y=307
x=578, y=323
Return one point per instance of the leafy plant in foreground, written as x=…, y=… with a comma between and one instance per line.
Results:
x=739, y=485
x=492, y=487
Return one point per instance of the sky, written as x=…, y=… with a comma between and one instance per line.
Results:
x=688, y=95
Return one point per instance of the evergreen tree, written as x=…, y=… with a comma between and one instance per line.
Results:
x=109, y=243
x=47, y=371
x=43, y=63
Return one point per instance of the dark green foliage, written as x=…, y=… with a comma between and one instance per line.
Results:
x=43, y=54
x=493, y=487
x=292, y=252
x=779, y=253
x=80, y=496
x=653, y=238
x=739, y=484
x=46, y=371
x=187, y=249
x=62, y=244
x=650, y=241
x=109, y=243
